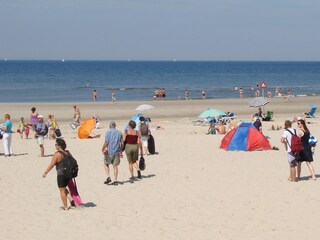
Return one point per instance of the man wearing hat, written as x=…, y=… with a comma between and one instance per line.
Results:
x=41, y=131
x=112, y=150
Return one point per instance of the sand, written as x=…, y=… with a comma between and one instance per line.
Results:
x=190, y=190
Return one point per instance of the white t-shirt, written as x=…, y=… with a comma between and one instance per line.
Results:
x=286, y=134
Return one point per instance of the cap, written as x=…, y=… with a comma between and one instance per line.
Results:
x=40, y=116
x=112, y=123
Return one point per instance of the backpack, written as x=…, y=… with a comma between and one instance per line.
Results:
x=144, y=129
x=45, y=129
x=296, y=144
x=70, y=166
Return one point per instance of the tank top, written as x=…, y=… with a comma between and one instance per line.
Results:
x=132, y=139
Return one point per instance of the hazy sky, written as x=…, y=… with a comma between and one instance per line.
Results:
x=160, y=29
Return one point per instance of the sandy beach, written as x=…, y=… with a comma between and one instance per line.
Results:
x=191, y=189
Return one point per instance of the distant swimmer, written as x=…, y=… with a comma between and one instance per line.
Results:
x=203, y=93
x=113, y=96
x=94, y=95
x=241, y=92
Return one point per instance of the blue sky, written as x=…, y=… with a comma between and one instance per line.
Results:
x=160, y=29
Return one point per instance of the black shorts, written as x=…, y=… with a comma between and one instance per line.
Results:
x=62, y=181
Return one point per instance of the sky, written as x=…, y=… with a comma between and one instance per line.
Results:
x=242, y=30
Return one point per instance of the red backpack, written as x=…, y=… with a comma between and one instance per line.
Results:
x=296, y=144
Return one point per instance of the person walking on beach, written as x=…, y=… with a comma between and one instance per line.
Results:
x=33, y=118
x=94, y=95
x=286, y=140
x=112, y=150
x=41, y=132
x=7, y=136
x=306, y=154
x=132, y=139
x=21, y=127
x=76, y=117
x=144, y=132
x=62, y=180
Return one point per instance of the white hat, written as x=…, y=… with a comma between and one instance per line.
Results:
x=40, y=116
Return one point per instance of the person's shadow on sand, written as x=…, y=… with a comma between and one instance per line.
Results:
x=131, y=181
x=307, y=178
x=88, y=205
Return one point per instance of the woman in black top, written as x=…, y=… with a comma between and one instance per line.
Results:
x=306, y=154
x=61, y=179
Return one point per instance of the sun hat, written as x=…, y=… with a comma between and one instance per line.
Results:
x=40, y=116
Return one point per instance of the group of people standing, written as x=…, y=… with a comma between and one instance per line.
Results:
x=39, y=128
x=295, y=159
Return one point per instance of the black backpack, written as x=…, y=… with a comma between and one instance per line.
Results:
x=69, y=166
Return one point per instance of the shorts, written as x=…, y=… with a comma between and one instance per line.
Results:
x=132, y=152
x=112, y=159
x=144, y=141
x=62, y=181
x=77, y=119
x=291, y=160
x=40, y=140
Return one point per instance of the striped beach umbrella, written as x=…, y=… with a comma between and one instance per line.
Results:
x=258, y=102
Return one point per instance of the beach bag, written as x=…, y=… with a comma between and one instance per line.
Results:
x=296, y=144
x=70, y=166
x=142, y=164
x=57, y=132
x=1, y=135
x=144, y=129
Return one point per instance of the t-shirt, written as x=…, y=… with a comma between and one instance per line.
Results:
x=39, y=126
x=8, y=124
x=113, y=138
x=286, y=134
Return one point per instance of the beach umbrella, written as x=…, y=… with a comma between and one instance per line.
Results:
x=211, y=112
x=86, y=128
x=144, y=107
x=136, y=119
x=258, y=102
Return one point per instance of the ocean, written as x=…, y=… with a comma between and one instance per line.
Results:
x=74, y=81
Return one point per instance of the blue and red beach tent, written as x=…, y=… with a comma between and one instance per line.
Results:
x=245, y=138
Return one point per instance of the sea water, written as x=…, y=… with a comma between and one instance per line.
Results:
x=74, y=81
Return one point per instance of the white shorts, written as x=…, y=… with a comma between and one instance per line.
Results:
x=40, y=140
x=144, y=141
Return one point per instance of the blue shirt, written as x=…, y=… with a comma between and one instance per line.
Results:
x=39, y=126
x=113, y=138
x=8, y=124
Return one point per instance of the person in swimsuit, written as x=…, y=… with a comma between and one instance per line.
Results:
x=132, y=139
x=306, y=154
x=61, y=179
x=33, y=118
x=94, y=95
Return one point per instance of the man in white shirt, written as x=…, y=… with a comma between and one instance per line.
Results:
x=286, y=139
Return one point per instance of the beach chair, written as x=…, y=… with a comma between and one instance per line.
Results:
x=311, y=113
x=226, y=118
x=268, y=116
